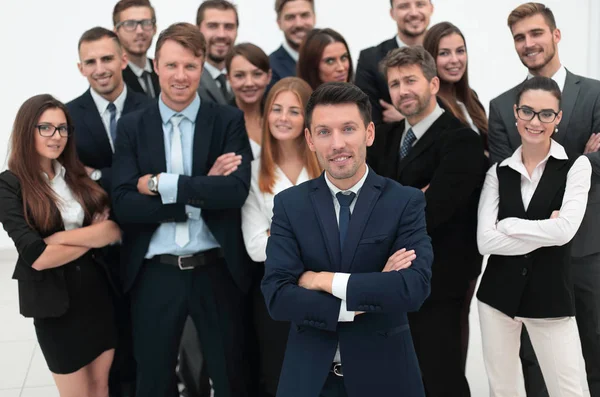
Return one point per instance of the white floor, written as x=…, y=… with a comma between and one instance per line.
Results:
x=23, y=371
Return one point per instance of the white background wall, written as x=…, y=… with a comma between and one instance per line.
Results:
x=39, y=41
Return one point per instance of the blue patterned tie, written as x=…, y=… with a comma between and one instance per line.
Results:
x=345, y=200
x=113, y=121
x=409, y=139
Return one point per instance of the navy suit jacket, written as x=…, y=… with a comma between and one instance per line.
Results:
x=376, y=348
x=91, y=137
x=140, y=150
x=282, y=65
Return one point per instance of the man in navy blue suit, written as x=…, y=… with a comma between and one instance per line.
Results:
x=179, y=205
x=95, y=114
x=295, y=18
x=347, y=258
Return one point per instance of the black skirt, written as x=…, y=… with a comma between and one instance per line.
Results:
x=87, y=329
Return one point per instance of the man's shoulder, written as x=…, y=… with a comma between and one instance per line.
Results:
x=379, y=49
x=507, y=96
x=140, y=114
x=80, y=100
x=137, y=98
x=298, y=193
x=588, y=83
x=278, y=53
x=223, y=111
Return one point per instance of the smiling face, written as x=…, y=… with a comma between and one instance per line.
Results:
x=412, y=17
x=335, y=63
x=339, y=138
x=536, y=44
x=451, y=59
x=286, y=117
x=248, y=82
x=219, y=28
x=102, y=62
x=50, y=148
x=179, y=71
x=296, y=19
x=411, y=93
x=535, y=132
x=137, y=42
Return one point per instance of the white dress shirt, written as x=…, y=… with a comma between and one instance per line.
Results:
x=400, y=42
x=559, y=77
x=515, y=236
x=214, y=73
x=293, y=53
x=70, y=209
x=255, y=147
x=422, y=126
x=139, y=72
x=257, y=211
x=102, y=105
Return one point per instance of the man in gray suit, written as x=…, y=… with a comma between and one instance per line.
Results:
x=536, y=37
x=218, y=21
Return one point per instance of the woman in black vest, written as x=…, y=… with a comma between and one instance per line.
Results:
x=530, y=208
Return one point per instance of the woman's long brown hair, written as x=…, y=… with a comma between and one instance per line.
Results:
x=40, y=204
x=461, y=89
x=270, y=154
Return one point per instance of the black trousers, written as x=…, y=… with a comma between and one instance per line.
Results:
x=162, y=299
x=437, y=337
x=586, y=280
x=334, y=387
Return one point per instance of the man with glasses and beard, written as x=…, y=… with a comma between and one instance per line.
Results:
x=218, y=21
x=433, y=151
x=295, y=18
x=536, y=39
x=412, y=18
x=135, y=25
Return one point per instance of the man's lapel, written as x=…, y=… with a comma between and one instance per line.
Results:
x=94, y=123
x=209, y=84
x=203, y=133
x=322, y=201
x=154, y=138
x=569, y=97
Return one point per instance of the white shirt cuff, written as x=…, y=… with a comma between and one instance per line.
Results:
x=167, y=187
x=345, y=316
x=338, y=289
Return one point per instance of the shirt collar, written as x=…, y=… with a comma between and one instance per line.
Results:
x=400, y=42
x=138, y=71
x=293, y=53
x=559, y=77
x=102, y=103
x=214, y=72
x=422, y=126
x=190, y=112
x=516, y=160
x=355, y=189
x=59, y=171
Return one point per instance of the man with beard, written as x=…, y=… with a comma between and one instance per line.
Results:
x=536, y=39
x=431, y=150
x=329, y=269
x=135, y=24
x=95, y=114
x=218, y=21
x=295, y=18
x=412, y=18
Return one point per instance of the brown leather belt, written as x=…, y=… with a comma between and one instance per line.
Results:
x=189, y=262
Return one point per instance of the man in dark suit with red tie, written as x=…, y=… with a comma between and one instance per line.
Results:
x=431, y=150
x=347, y=258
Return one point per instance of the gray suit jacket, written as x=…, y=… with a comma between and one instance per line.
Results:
x=581, y=118
x=210, y=91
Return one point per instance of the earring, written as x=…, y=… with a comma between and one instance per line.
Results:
x=516, y=124
x=556, y=129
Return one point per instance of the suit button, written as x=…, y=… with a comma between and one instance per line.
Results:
x=378, y=308
x=311, y=323
x=321, y=325
x=526, y=256
x=372, y=308
x=201, y=202
x=524, y=272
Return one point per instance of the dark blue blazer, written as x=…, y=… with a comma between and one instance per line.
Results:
x=140, y=150
x=377, y=350
x=282, y=65
x=91, y=137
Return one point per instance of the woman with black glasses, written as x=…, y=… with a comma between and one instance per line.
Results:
x=57, y=216
x=530, y=208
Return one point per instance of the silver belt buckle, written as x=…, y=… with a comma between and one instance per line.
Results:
x=337, y=369
x=180, y=264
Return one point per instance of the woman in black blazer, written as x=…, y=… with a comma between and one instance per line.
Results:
x=56, y=217
x=530, y=208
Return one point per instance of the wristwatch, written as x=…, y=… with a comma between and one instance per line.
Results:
x=96, y=175
x=153, y=184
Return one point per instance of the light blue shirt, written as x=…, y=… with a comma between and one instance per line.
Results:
x=163, y=239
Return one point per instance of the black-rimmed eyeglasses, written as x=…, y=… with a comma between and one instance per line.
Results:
x=545, y=116
x=48, y=130
x=131, y=25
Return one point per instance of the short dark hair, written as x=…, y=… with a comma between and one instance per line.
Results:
x=405, y=56
x=125, y=4
x=279, y=4
x=95, y=34
x=311, y=51
x=254, y=54
x=539, y=83
x=186, y=34
x=222, y=5
x=530, y=9
x=338, y=93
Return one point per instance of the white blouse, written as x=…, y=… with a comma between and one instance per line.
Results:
x=258, y=210
x=515, y=236
x=468, y=117
x=255, y=147
x=70, y=209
